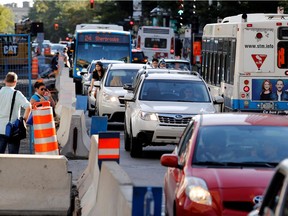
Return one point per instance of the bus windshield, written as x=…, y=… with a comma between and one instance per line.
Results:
x=87, y=52
x=155, y=43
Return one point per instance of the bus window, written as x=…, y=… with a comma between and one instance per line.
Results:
x=155, y=43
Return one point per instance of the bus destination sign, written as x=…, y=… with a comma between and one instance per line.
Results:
x=103, y=38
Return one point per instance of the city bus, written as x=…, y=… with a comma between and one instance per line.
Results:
x=245, y=60
x=155, y=41
x=99, y=43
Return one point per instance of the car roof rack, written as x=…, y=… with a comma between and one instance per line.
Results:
x=170, y=71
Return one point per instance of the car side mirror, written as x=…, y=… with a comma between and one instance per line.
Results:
x=129, y=97
x=128, y=87
x=218, y=100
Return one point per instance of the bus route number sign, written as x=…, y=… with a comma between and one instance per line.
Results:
x=103, y=38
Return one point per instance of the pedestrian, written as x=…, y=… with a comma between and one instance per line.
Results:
x=54, y=65
x=42, y=94
x=162, y=64
x=155, y=63
x=6, y=94
x=97, y=75
x=66, y=57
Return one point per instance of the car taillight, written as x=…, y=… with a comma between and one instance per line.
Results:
x=172, y=48
x=246, y=89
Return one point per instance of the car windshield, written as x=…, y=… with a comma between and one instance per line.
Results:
x=138, y=55
x=238, y=145
x=105, y=65
x=58, y=47
x=174, y=90
x=118, y=77
x=178, y=65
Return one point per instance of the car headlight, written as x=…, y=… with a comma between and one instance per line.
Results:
x=109, y=98
x=197, y=191
x=147, y=116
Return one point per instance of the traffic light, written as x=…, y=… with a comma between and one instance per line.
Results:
x=195, y=24
x=56, y=26
x=180, y=7
x=180, y=13
x=91, y=3
x=131, y=22
x=36, y=27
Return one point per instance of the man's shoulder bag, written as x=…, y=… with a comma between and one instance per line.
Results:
x=16, y=130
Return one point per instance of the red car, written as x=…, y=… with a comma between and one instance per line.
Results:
x=223, y=163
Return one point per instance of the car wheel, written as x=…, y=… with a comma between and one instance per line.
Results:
x=126, y=139
x=135, y=146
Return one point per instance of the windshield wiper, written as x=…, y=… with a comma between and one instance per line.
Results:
x=237, y=164
x=210, y=163
x=254, y=164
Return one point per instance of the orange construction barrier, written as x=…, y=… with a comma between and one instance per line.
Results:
x=108, y=147
x=47, y=51
x=34, y=67
x=45, y=139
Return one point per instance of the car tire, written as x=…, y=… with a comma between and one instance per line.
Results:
x=135, y=146
x=126, y=139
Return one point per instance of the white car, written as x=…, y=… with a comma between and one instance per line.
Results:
x=157, y=111
x=110, y=92
x=86, y=73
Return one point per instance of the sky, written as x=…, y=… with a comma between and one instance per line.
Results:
x=19, y=2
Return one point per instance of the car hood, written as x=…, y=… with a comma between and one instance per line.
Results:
x=177, y=107
x=119, y=91
x=235, y=178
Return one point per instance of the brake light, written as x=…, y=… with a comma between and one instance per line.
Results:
x=172, y=48
x=246, y=89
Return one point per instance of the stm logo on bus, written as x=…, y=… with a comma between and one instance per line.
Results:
x=259, y=59
x=10, y=50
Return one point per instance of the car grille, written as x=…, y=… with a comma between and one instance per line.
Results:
x=175, y=120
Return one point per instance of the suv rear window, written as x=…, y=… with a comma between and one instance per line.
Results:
x=174, y=90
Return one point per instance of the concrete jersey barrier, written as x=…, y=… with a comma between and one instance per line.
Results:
x=34, y=185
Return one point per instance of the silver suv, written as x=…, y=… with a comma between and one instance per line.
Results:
x=160, y=106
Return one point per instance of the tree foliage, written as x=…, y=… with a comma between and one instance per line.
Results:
x=6, y=20
x=67, y=14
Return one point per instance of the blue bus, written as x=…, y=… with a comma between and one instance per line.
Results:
x=99, y=42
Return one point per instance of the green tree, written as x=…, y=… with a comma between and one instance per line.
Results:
x=6, y=20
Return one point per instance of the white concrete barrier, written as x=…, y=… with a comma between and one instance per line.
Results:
x=78, y=143
x=87, y=184
x=65, y=123
x=115, y=191
x=34, y=185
